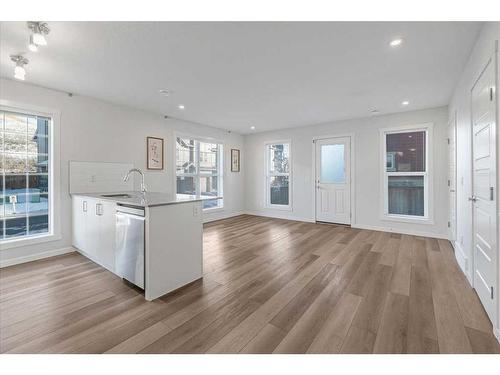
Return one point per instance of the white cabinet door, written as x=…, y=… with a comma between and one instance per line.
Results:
x=106, y=233
x=80, y=211
x=92, y=230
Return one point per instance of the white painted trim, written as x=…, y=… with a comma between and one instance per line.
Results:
x=220, y=216
x=37, y=256
x=352, y=137
x=462, y=260
x=496, y=333
x=278, y=215
x=267, y=197
x=400, y=231
x=221, y=176
x=428, y=217
x=55, y=176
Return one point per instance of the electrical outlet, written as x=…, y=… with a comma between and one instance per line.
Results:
x=195, y=211
x=92, y=178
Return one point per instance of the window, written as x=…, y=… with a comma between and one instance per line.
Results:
x=199, y=169
x=278, y=175
x=406, y=173
x=25, y=181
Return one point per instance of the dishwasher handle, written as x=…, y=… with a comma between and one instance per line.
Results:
x=137, y=211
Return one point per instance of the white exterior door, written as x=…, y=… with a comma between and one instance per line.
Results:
x=484, y=188
x=333, y=180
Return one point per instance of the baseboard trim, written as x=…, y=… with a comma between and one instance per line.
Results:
x=496, y=333
x=462, y=260
x=221, y=216
x=277, y=215
x=400, y=231
x=37, y=256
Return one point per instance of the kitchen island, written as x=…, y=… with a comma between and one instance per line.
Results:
x=153, y=240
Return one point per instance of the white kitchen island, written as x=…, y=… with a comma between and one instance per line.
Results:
x=168, y=253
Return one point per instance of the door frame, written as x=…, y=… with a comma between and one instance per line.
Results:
x=493, y=59
x=453, y=123
x=352, y=139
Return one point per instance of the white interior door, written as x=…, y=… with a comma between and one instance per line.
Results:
x=333, y=180
x=484, y=188
x=452, y=180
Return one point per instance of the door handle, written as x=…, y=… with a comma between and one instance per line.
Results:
x=473, y=198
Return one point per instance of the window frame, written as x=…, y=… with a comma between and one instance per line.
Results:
x=428, y=217
x=197, y=175
x=54, y=193
x=268, y=175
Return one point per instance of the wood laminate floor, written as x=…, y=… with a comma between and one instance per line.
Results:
x=270, y=286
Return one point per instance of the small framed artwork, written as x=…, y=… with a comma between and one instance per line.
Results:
x=155, y=153
x=235, y=160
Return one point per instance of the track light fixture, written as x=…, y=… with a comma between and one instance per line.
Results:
x=39, y=31
x=19, y=71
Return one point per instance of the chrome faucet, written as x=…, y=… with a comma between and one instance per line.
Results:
x=143, y=185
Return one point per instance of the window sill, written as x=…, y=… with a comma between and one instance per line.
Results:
x=408, y=219
x=28, y=241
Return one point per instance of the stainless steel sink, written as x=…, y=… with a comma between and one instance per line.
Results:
x=117, y=196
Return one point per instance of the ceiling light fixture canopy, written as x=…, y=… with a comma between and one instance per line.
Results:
x=165, y=92
x=19, y=71
x=39, y=31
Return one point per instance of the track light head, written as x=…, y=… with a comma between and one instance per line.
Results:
x=39, y=31
x=19, y=71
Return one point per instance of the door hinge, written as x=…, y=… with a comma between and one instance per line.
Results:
x=491, y=194
x=491, y=94
x=448, y=183
x=448, y=140
x=449, y=224
x=491, y=292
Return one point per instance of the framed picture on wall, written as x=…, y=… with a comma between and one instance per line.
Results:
x=154, y=153
x=235, y=160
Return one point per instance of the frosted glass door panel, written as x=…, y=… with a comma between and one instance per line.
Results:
x=332, y=164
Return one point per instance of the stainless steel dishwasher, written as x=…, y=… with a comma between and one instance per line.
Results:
x=129, y=251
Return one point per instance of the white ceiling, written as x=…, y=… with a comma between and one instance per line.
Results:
x=233, y=75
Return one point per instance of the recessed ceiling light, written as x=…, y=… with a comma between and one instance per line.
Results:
x=375, y=112
x=180, y=106
x=165, y=92
x=406, y=102
x=252, y=127
x=396, y=42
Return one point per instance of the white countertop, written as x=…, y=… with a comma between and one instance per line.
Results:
x=149, y=199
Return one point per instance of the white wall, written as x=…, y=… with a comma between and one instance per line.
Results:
x=367, y=170
x=461, y=103
x=94, y=130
